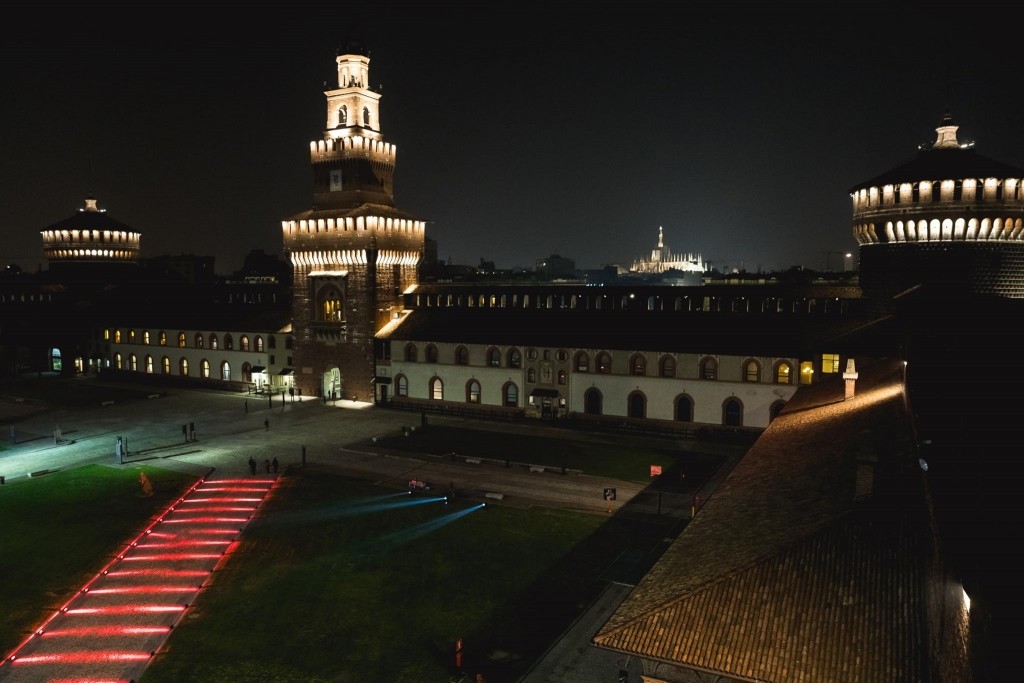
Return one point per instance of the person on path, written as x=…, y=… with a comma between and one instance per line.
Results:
x=252, y=465
x=267, y=464
x=275, y=464
x=266, y=425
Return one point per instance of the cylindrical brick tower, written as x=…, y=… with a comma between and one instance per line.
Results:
x=353, y=253
x=949, y=220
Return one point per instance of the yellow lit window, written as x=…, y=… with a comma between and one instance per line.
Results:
x=830, y=363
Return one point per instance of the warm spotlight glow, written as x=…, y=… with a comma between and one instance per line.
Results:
x=967, y=600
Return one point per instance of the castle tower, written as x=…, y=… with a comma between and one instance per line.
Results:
x=90, y=244
x=949, y=219
x=353, y=254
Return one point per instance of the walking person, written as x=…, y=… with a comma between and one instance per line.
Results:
x=252, y=465
x=266, y=425
x=267, y=464
x=275, y=464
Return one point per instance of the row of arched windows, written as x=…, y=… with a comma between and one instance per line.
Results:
x=602, y=363
x=593, y=401
x=131, y=363
x=199, y=342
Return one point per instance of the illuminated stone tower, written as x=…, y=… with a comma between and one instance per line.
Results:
x=949, y=219
x=353, y=253
x=90, y=242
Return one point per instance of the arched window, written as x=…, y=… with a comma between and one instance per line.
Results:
x=342, y=115
x=410, y=352
x=582, y=362
x=225, y=371
x=637, y=404
x=437, y=389
x=214, y=343
x=783, y=373
x=493, y=357
x=162, y=338
x=329, y=306
x=638, y=364
x=243, y=343
x=183, y=367
x=401, y=386
x=431, y=353
x=775, y=409
x=165, y=365
x=366, y=117
x=561, y=376
x=531, y=375
x=592, y=401
x=199, y=340
x=246, y=371
x=751, y=371
x=145, y=337
x=117, y=336
x=604, y=362
x=258, y=340
x=181, y=340
x=117, y=361
x=134, y=362
x=684, y=409
x=709, y=368
x=149, y=365
x=462, y=356
x=510, y=393
x=204, y=369
x=667, y=366
x=515, y=358
x=473, y=391
x=229, y=342
x=732, y=413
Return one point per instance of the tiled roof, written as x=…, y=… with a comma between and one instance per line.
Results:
x=783, y=575
x=943, y=164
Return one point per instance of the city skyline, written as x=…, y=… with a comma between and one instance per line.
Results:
x=517, y=139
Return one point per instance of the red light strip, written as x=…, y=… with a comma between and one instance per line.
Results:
x=232, y=499
x=79, y=657
x=126, y=609
x=158, y=572
x=171, y=556
x=144, y=589
x=209, y=520
x=105, y=631
x=181, y=544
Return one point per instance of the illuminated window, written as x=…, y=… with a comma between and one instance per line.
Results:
x=751, y=371
x=181, y=340
x=561, y=377
x=604, y=362
x=183, y=367
x=243, y=343
x=259, y=344
x=117, y=361
x=329, y=305
x=162, y=338
x=106, y=335
x=133, y=361
x=149, y=365
x=117, y=336
x=214, y=342
x=783, y=374
x=437, y=389
x=638, y=365
x=806, y=372
x=225, y=371
x=204, y=369
x=830, y=363
x=165, y=365
x=473, y=392
x=199, y=340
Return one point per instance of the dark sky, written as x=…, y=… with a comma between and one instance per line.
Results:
x=520, y=133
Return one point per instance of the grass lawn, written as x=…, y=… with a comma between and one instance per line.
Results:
x=59, y=530
x=334, y=582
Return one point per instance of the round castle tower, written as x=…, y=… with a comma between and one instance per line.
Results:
x=949, y=219
x=89, y=237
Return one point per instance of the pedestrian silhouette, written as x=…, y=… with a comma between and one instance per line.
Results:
x=275, y=465
x=252, y=465
x=266, y=425
x=267, y=463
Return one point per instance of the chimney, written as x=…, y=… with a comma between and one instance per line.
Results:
x=851, y=378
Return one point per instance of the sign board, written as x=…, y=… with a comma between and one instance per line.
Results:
x=655, y=470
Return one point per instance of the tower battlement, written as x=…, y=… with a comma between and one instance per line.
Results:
x=337, y=148
x=333, y=227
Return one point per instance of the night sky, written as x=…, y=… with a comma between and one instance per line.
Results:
x=520, y=133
